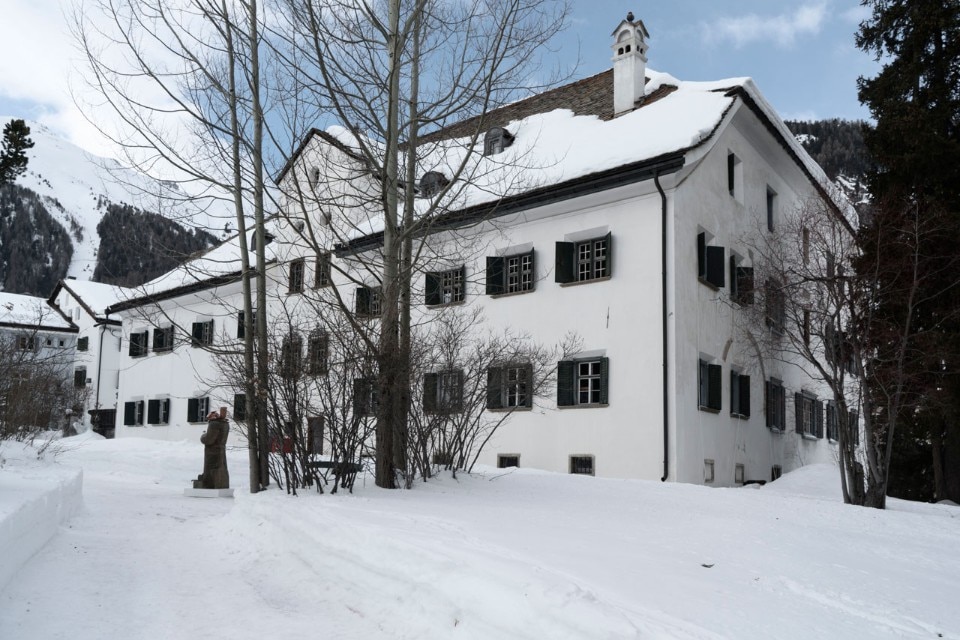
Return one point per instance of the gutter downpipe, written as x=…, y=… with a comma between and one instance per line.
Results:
x=663, y=294
x=96, y=404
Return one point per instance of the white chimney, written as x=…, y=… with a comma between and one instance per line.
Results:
x=629, y=64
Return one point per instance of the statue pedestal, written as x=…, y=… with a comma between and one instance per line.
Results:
x=208, y=493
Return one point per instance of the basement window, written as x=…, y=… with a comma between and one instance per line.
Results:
x=582, y=465
x=708, y=471
x=507, y=460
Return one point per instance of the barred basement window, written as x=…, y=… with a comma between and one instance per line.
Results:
x=809, y=415
x=739, y=395
x=582, y=465
x=139, y=344
x=162, y=339
x=776, y=404
x=443, y=392
x=158, y=411
x=507, y=460
x=584, y=261
x=710, y=262
x=133, y=413
x=509, y=386
x=444, y=287
x=201, y=334
x=366, y=399
x=710, y=385
x=317, y=347
x=198, y=409
x=583, y=382
x=321, y=275
x=369, y=302
x=295, y=282
x=82, y=343
x=240, y=407
x=80, y=377
x=510, y=274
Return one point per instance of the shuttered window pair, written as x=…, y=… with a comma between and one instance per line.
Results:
x=510, y=386
x=583, y=382
x=739, y=395
x=443, y=392
x=510, y=274
x=445, y=287
x=202, y=334
x=809, y=415
x=775, y=400
x=198, y=409
x=158, y=411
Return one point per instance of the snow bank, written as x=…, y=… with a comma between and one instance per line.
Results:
x=36, y=497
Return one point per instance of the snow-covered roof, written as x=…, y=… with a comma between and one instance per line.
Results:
x=96, y=296
x=212, y=267
x=570, y=134
x=28, y=311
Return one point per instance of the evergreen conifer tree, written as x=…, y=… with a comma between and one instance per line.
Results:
x=13, y=150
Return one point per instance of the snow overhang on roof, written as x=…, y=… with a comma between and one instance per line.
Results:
x=28, y=312
x=94, y=297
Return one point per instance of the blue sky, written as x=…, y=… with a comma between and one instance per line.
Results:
x=800, y=53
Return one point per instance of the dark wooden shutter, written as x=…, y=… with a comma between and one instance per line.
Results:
x=363, y=301
x=193, y=410
x=495, y=277
x=609, y=240
x=240, y=407
x=430, y=381
x=782, y=407
x=83, y=344
x=702, y=255
x=715, y=266
x=564, y=268
x=768, y=402
x=798, y=411
x=566, y=378
x=431, y=289
x=359, y=404
x=745, y=396
x=818, y=418
x=196, y=334
x=494, y=381
x=744, y=285
x=153, y=412
x=714, y=386
x=528, y=390
x=241, y=326
x=129, y=413
x=604, y=380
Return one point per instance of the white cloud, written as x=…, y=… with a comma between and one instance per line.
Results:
x=782, y=30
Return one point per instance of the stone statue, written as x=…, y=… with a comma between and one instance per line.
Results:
x=215, y=474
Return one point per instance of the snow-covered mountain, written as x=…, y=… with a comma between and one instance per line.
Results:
x=77, y=187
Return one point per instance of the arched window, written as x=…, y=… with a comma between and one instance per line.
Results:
x=432, y=183
x=496, y=140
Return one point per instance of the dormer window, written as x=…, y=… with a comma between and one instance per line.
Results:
x=432, y=183
x=267, y=239
x=496, y=140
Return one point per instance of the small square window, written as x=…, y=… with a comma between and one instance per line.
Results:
x=506, y=460
x=708, y=471
x=582, y=465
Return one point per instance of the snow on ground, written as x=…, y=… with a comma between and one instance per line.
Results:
x=499, y=554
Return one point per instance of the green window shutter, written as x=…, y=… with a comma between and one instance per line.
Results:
x=564, y=270
x=193, y=410
x=430, y=381
x=153, y=412
x=566, y=383
x=734, y=392
x=798, y=411
x=363, y=301
x=165, y=411
x=715, y=266
x=744, y=281
x=734, y=292
x=702, y=255
x=714, y=386
x=609, y=240
x=604, y=380
x=494, y=382
x=431, y=289
x=528, y=396
x=745, y=396
x=495, y=276
x=129, y=413
x=240, y=407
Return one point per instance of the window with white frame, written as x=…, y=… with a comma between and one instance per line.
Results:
x=317, y=346
x=321, y=274
x=583, y=382
x=202, y=333
x=369, y=302
x=198, y=409
x=509, y=386
x=158, y=411
x=709, y=383
x=444, y=287
x=133, y=413
x=510, y=274
x=584, y=260
x=809, y=415
x=295, y=279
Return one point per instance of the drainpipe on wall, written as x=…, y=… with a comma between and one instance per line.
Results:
x=96, y=402
x=663, y=295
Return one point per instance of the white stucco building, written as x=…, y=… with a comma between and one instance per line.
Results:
x=614, y=208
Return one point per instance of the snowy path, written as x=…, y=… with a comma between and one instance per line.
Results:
x=516, y=556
